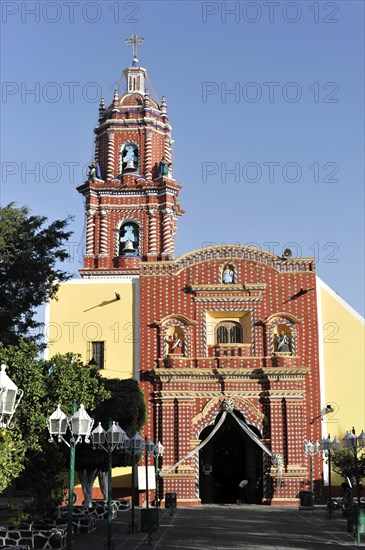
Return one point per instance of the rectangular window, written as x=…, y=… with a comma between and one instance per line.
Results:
x=97, y=354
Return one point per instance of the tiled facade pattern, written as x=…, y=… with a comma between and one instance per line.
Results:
x=278, y=393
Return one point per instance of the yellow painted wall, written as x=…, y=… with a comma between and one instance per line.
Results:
x=343, y=341
x=87, y=310
x=342, y=347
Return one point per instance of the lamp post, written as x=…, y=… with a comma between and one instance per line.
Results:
x=157, y=452
x=311, y=449
x=327, y=446
x=113, y=439
x=149, y=447
x=353, y=442
x=10, y=397
x=80, y=425
x=136, y=444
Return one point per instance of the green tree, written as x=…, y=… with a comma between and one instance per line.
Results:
x=62, y=379
x=11, y=457
x=29, y=252
x=343, y=463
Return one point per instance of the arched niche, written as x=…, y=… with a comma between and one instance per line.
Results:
x=175, y=340
x=282, y=338
x=228, y=273
x=129, y=236
x=129, y=158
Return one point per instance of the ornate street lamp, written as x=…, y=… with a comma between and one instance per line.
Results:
x=80, y=425
x=158, y=451
x=327, y=446
x=311, y=449
x=10, y=397
x=113, y=439
x=353, y=442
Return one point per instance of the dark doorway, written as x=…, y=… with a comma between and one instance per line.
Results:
x=230, y=456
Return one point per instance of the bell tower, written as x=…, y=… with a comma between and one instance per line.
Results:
x=131, y=195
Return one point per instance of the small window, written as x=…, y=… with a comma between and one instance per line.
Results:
x=97, y=355
x=229, y=332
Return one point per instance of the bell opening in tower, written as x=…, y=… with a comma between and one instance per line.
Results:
x=129, y=239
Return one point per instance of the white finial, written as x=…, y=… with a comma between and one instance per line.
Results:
x=115, y=99
x=163, y=105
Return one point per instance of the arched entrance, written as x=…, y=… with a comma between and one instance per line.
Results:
x=230, y=456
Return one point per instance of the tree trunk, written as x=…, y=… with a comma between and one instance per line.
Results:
x=103, y=483
x=87, y=478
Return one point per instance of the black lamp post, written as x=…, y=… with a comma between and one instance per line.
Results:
x=157, y=452
x=353, y=442
x=328, y=446
x=311, y=449
x=149, y=447
x=114, y=439
x=136, y=445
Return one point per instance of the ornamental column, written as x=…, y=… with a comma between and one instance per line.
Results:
x=152, y=232
x=90, y=225
x=168, y=241
x=111, y=156
x=167, y=142
x=148, y=155
x=103, y=233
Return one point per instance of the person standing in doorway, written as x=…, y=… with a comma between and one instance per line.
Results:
x=242, y=492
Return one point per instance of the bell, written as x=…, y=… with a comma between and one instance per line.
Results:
x=130, y=165
x=129, y=246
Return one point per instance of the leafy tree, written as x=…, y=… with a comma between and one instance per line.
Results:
x=29, y=251
x=62, y=379
x=343, y=463
x=126, y=405
x=11, y=457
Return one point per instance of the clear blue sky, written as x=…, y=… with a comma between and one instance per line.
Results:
x=293, y=131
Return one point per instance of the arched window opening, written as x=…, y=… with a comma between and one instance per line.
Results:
x=129, y=158
x=129, y=239
x=222, y=335
x=228, y=332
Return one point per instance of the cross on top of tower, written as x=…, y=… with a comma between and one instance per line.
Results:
x=134, y=41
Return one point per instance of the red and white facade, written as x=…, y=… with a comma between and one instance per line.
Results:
x=225, y=306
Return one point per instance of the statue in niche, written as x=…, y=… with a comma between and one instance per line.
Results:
x=129, y=241
x=164, y=168
x=130, y=158
x=94, y=171
x=283, y=342
x=91, y=175
x=174, y=344
x=228, y=275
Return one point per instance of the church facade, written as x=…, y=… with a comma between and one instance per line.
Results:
x=224, y=340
